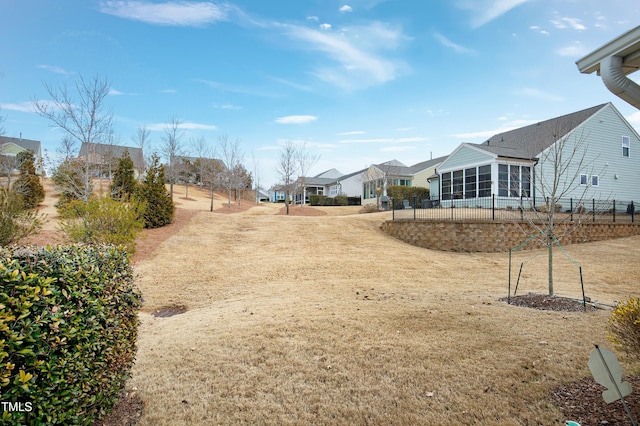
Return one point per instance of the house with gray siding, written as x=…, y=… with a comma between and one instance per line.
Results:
x=596, y=147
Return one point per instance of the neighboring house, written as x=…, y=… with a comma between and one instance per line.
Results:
x=261, y=196
x=105, y=157
x=512, y=164
x=277, y=194
x=13, y=146
x=349, y=185
x=316, y=185
x=378, y=177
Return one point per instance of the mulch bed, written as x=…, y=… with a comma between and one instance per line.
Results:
x=548, y=303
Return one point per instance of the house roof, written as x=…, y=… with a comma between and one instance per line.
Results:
x=114, y=151
x=529, y=141
x=418, y=167
x=311, y=181
x=331, y=174
x=24, y=143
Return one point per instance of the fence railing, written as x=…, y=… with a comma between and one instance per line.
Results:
x=514, y=209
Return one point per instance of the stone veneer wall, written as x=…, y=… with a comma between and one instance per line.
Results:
x=489, y=236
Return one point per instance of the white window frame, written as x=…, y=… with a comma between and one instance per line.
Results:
x=584, y=179
x=626, y=145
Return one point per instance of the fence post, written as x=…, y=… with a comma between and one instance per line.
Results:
x=593, y=202
x=614, y=211
x=393, y=209
x=571, y=207
x=521, y=209
x=415, y=202
x=632, y=211
x=493, y=207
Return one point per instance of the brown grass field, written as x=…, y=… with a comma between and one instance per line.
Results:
x=326, y=320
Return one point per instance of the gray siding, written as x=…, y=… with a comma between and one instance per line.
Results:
x=618, y=176
x=465, y=157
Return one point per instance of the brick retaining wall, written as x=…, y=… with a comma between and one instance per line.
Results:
x=489, y=236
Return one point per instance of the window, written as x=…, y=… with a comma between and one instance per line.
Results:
x=626, y=144
x=514, y=181
x=446, y=186
x=583, y=180
x=595, y=180
x=470, y=183
x=484, y=181
x=526, y=181
x=457, y=184
x=503, y=180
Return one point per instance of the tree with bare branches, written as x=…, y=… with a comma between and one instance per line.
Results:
x=142, y=140
x=305, y=161
x=286, y=168
x=172, y=149
x=234, y=174
x=557, y=175
x=83, y=115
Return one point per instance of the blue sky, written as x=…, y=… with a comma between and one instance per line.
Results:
x=360, y=81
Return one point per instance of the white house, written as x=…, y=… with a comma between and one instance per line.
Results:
x=598, y=142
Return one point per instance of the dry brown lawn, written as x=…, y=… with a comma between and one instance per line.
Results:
x=326, y=320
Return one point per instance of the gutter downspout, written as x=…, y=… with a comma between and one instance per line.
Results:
x=617, y=82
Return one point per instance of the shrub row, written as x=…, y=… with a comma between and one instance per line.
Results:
x=323, y=200
x=399, y=193
x=68, y=329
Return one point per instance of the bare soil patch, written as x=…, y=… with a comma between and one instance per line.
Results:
x=169, y=311
x=548, y=303
x=302, y=211
x=127, y=411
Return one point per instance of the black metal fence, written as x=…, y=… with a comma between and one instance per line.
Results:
x=514, y=209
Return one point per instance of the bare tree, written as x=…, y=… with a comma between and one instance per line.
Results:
x=286, y=167
x=67, y=149
x=85, y=118
x=257, y=177
x=141, y=139
x=172, y=150
x=557, y=175
x=234, y=175
x=305, y=162
x=2, y=128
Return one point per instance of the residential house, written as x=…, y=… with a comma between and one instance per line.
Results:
x=349, y=185
x=277, y=194
x=516, y=164
x=378, y=177
x=11, y=147
x=105, y=157
x=316, y=185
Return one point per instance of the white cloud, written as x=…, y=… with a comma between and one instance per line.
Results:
x=355, y=132
x=228, y=107
x=538, y=94
x=404, y=129
x=173, y=13
x=451, y=45
x=55, y=69
x=245, y=90
x=484, y=134
x=296, y=119
x=634, y=119
x=574, y=50
x=539, y=30
x=397, y=148
x=346, y=8
x=485, y=11
x=325, y=26
x=168, y=91
x=564, y=23
x=313, y=18
x=386, y=140
x=184, y=126
x=21, y=107
x=356, y=52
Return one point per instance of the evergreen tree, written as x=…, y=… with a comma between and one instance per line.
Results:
x=124, y=183
x=159, y=205
x=28, y=184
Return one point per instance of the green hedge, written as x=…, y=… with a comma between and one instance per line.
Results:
x=399, y=193
x=323, y=200
x=68, y=329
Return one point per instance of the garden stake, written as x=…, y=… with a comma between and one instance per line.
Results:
x=615, y=384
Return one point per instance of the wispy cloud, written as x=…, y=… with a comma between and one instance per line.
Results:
x=183, y=126
x=296, y=119
x=538, y=94
x=355, y=132
x=386, y=140
x=346, y=8
x=171, y=91
x=228, y=107
x=539, y=30
x=114, y=92
x=325, y=26
x=573, y=50
x=397, y=148
x=313, y=18
x=485, y=11
x=21, y=107
x=171, y=13
x=485, y=134
x=451, y=45
x=571, y=23
x=245, y=90
x=357, y=52
x=634, y=119
x=55, y=69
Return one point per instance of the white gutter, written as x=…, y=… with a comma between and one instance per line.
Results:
x=617, y=82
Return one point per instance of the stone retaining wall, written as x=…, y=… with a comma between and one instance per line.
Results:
x=490, y=236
